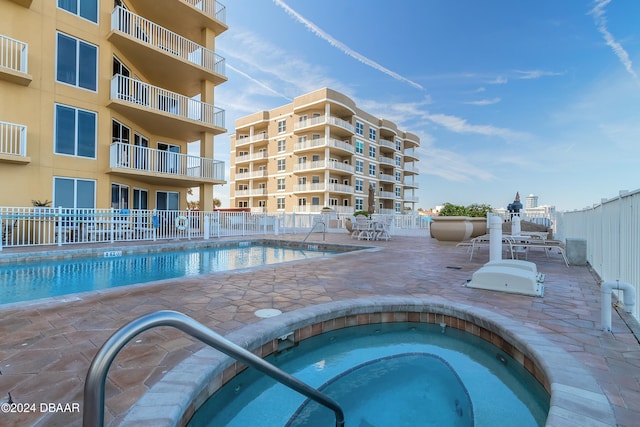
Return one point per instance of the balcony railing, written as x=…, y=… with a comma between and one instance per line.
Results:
x=210, y=8
x=324, y=142
x=154, y=35
x=411, y=184
x=387, y=161
x=253, y=156
x=251, y=139
x=387, y=194
x=13, y=139
x=134, y=157
x=323, y=164
x=14, y=54
x=251, y=192
x=314, y=121
x=387, y=177
x=252, y=174
x=145, y=95
x=388, y=144
x=411, y=199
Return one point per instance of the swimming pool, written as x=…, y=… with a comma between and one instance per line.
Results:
x=28, y=281
x=381, y=375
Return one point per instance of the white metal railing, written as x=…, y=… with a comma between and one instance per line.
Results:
x=158, y=99
x=13, y=139
x=612, y=231
x=412, y=184
x=323, y=164
x=387, y=161
x=324, y=142
x=250, y=139
x=251, y=192
x=14, y=54
x=31, y=226
x=411, y=152
x=412, y=199
x=314, y=121
x=210, y=8
x=303, y=188
x=154, y=35
x=410, y=167
x=387, y=194
x=386, y=143
x=252, y=156
x=251, y=174
x=135, y=157
x=387, y=177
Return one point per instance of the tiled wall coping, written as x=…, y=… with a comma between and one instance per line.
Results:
x=575, y=395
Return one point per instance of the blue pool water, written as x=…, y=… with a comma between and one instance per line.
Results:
x=352, y=366
x=43, y=279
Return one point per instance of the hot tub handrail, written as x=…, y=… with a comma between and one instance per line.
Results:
x=93, y=412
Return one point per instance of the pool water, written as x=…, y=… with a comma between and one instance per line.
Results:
x=43, y=279
x=407, y=392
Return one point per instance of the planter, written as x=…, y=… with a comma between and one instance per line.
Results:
x=451, y=228
x=479, y=226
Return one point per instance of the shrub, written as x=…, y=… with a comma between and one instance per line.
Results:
x=474, y=210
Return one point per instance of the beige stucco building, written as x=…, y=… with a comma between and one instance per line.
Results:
x=322, y=151
x=99, y=100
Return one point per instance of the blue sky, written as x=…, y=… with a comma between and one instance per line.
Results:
x=507, y=96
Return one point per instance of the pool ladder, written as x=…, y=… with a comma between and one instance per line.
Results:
x=93, y=415
x=324, y=230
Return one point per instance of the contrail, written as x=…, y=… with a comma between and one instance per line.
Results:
x=258, y=82
x=601, y=25
x=344, y=48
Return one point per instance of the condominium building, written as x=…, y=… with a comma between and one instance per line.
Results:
x=322, y=151
x=100, y=99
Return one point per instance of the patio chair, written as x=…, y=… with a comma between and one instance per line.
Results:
x=363, y=228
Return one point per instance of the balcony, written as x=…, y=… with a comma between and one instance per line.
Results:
x=163, y=56
x=322, y=187
x=251, y=175
x=387, y=194
x=411, y=199
x=324, y=142
x=323, y=164
x=250, y=193
x=14, y=56
x=411, y=184
x=410, y=169
x=410, y=155
x=186, y=17
x=387, y=161
x=387, y=144
x=251, y=139
x=163, y=112
x=320, y=121
x=13, y=143
x=260, y=155
x=316, y=209
x=386, y=177
x=163, y=167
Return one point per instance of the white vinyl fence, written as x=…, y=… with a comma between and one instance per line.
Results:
x=41, y=226
x=612, y=231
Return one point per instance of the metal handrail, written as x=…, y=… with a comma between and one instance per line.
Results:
x=93, y=414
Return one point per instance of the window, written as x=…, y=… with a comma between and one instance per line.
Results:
x=372, y=170
x=167, y=200
x=87, y=9
x=359, y=205
x=372, y=134
x=333, y=202
x=398, y=176
x=243, y=170
x=140, y=199
x=315, y=158
x=302, y=139
x=372, y=152
x=74, y=193
x=282, y=126
x=398, y=192
x=77, y=62
x=359, y=147
x=315, y=179
x=262, y=203
x=398, y=207
x=359, y=128
x=359, y=185
x=119, y=196
x=281, y=185
x=243, y=187
x=282, y=164
x=243, y=204
x=359, y=166
x=168, y=159
x=75, y=132
x=282, y=145
x=302, y=180
x=398, y=161
x=302, y=201
x=398, y=145
x=315, y=201
x=280, y=203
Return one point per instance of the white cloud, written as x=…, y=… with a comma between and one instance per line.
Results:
x=601, y=24
x=483, y=102
x=500, y=80
x=535, y=74
x=341, y=46
x=460, y=125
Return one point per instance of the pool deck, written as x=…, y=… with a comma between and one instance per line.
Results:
x=46, y=347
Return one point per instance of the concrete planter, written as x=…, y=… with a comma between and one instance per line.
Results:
x=451, y=228
x=479, y=226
